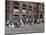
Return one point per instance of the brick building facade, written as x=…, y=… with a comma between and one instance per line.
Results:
x=20, y=8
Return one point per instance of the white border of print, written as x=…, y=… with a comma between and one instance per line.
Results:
x=2, y=16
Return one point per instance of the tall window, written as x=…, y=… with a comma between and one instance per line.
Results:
x=16, y=11
x=16, y=4
x=24, y=6
x=30, y=8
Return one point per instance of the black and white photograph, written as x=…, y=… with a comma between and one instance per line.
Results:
x=24, y=17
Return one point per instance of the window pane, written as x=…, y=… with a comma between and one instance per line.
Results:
x=16, y=10
x=24, y=5
x=17, y=3
x=16, y=7
x=30, y=9
x=30, y=6
x=24, y=8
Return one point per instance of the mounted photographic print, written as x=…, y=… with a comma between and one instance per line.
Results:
x=24, y=17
